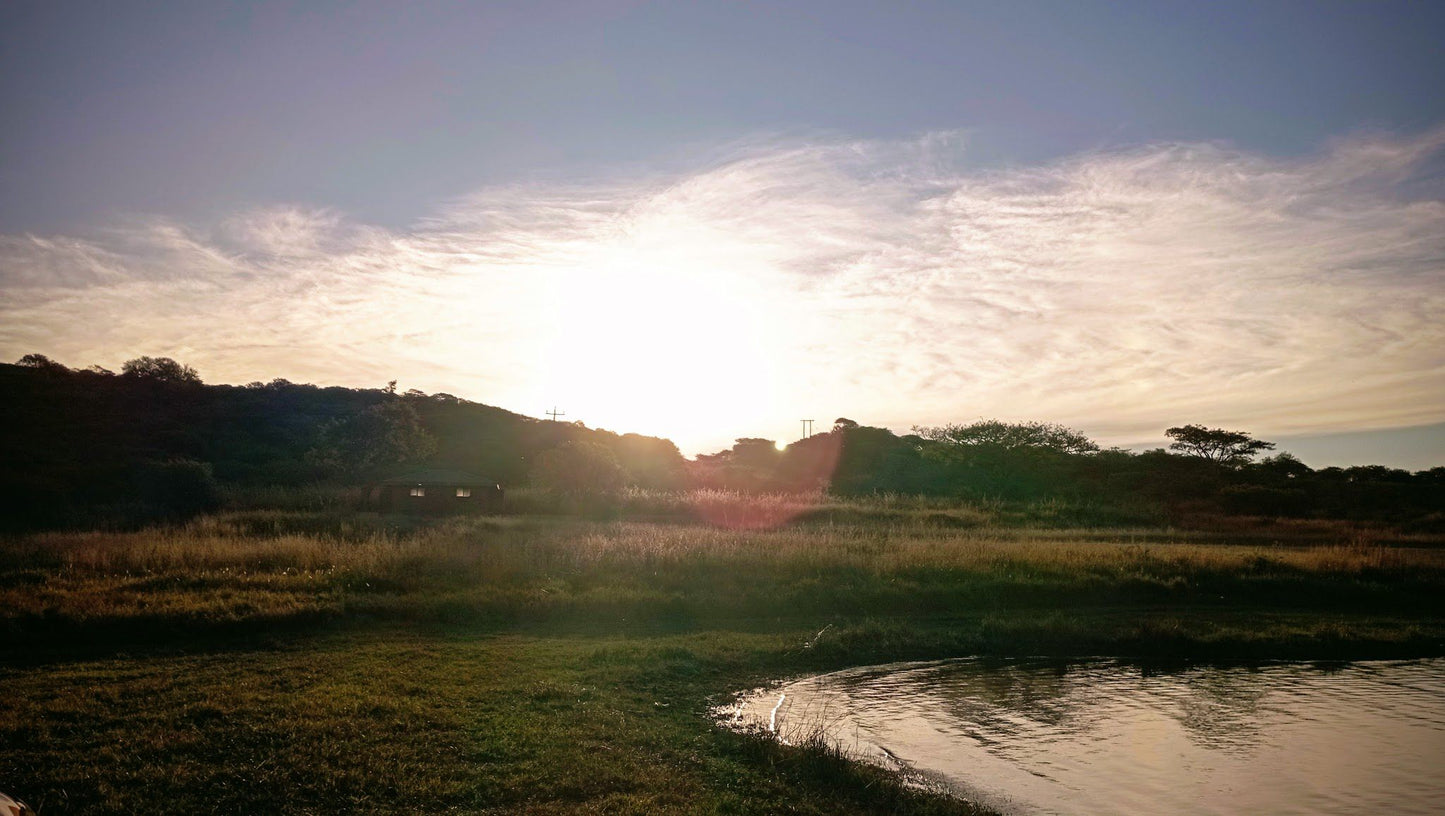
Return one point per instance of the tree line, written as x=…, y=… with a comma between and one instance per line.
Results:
x=1203, y=470
x=92, y=446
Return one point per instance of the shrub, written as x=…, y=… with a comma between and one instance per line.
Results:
x=178, y=488
x=1257, y=500
x=579, y=469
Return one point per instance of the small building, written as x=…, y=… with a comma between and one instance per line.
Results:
x=437, y=491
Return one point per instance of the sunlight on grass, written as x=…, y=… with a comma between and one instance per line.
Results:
x=277, y=565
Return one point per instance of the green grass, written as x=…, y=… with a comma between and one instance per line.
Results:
x=303, y=662
x=426, y=721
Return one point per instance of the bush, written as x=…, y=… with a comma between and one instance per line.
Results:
x=178, y=488
x=579, y=469
x=1257, y=500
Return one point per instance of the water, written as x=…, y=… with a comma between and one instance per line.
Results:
x=1109, y=737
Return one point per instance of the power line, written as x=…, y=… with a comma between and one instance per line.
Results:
x=807, y=428
x=554, y=413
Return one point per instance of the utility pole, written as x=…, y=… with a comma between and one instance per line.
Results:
x=554, y=413
x=807, y=428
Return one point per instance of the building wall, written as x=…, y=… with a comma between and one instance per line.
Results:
x=439, y=500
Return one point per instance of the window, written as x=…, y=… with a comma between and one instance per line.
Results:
x=464, y=492
x=418, y=491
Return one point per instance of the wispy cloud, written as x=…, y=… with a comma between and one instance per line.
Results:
x=1118, y=291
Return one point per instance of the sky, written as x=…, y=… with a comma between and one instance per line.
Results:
x=713, y=220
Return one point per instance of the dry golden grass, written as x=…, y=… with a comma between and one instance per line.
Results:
x=275, y=565
x=493, y=549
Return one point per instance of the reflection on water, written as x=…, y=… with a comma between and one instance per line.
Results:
x=1109, y=737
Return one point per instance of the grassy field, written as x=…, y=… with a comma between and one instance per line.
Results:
x=318, y=662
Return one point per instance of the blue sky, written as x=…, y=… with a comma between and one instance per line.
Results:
x=385, y=109
x=1120, y=216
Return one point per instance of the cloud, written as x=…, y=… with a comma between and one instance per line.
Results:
x=288, y=233
x=1119, y=291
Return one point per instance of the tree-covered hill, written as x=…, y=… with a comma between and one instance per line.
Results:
x=77, y=440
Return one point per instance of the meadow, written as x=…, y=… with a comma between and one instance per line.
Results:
x=316, y=660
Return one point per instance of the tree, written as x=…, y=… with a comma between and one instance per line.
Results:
x=1376, y=473
x=1282, y=467
x=389, y=433
x=756, y=454
x=750, y=465
x=579, y=469
x=870, y=460
x=178, y=488
x=649, y=462
x=1435, y=475
x=1011, y=436
x=163, y=369
x=1231, y=448
x=42, y=363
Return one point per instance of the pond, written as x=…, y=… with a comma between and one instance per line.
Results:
x=1112, y=737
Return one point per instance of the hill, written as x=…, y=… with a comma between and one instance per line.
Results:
x=91, y=445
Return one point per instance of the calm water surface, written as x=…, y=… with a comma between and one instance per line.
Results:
x=1107, y=737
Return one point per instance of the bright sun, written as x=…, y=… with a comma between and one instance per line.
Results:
x=667, y=332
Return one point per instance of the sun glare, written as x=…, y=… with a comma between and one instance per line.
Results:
x=672, y=331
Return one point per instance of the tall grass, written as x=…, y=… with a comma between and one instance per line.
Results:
x=285, y=542
x=271, y=565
